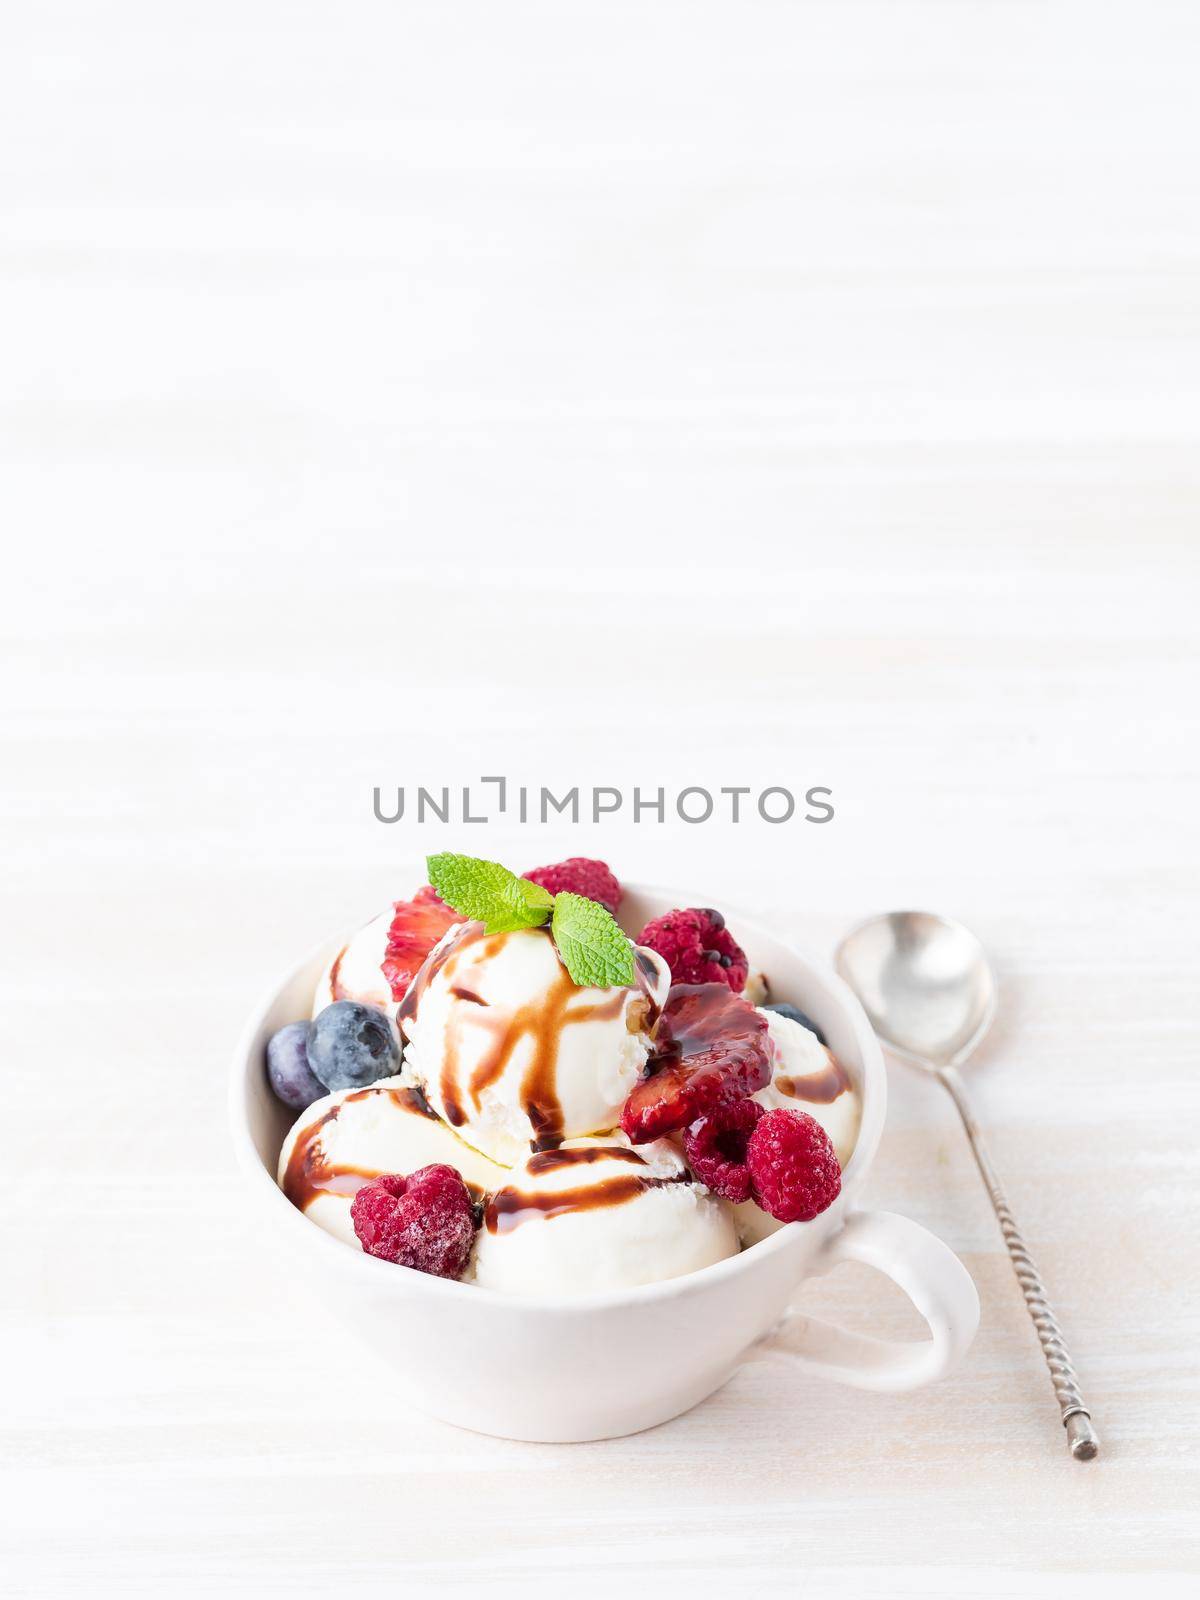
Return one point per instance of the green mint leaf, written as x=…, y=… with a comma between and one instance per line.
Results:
x=594, y=950
x=537, y=901
x=486, y=892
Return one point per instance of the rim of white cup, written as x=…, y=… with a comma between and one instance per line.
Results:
x=247, y=1058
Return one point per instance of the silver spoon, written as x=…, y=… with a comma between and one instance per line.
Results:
x=930, y=993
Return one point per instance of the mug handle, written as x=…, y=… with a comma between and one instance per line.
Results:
x=932, y=1277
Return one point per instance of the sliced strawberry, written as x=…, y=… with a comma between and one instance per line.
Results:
x=417, y=925
x=427, y=895
x=711, y=1047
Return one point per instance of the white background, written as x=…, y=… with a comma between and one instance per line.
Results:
x=714, y=393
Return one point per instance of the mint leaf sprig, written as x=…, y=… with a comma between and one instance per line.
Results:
x=486, y=892
x=593, y=948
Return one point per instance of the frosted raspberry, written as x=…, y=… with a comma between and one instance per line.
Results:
x=716, y=1148
x=710, y=1047
x=580, y=875
x=425, y=1221
x=697, y=947
x=794, y=1170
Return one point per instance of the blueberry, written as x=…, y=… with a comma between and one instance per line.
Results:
x=799, y=1016
x=351, y=1045
x=290, y=1075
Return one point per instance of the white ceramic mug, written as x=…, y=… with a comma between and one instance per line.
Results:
x=610, y=1364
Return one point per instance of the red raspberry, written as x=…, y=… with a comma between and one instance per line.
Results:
x=425, y=1221
x=710, y=1047
x=697, y=947
x=580, y=875
x=794, y=1170
x=716, y=1148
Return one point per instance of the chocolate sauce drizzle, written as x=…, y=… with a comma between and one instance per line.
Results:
x=467, y=933
x=508, y=1208
x=818, y=1088
x=542, y=1022
x=309, y=1172
x=584, y=1155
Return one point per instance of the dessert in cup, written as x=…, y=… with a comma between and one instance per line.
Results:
x=542, y=1112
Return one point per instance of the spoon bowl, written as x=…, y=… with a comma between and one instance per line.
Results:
x=925, y=982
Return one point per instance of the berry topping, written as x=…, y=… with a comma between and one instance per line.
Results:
x=580, y=875
x=425, y=1221
x=288, y=1070
x=417, y=925
x=794, y=1172
x=710, y=1048
x=351, y=1045
x=795, y=1014
x=697, y=947
x=716, y=1148
x=427, y=895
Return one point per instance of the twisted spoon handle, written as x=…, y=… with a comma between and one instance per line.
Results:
x=1082, y=1438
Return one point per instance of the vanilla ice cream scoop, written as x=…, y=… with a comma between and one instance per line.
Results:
x=355, y=973
x=343, y=1141
x=597, y=1214
x=510, y=1051
x=805, y=1077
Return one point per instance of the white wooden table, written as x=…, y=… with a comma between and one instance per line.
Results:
x=716, y=394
